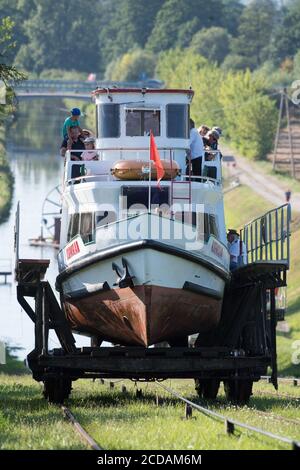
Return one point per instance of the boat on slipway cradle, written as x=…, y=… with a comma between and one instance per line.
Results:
x=144, y=263
x=129, y=273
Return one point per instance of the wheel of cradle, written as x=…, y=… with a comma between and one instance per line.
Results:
x=51, y=209
x=238, y=391
x=57, y=390
x=207, y=388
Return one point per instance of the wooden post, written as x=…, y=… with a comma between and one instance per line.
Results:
x=290, y=137
x=278, y=129
x=273, y=323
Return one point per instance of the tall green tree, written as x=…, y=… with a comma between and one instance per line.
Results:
x=18, y=11
x=8, y=73
x=231, y=15
x=212, y=43
x=128, y=27
x=183, y=68
x=250, y=115
x=61, y=35
x=287, y=36
x=176, y=15
x=255, y=31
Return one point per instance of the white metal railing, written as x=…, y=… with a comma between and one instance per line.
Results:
x=101, y=167
x=118, y=153
x=267, y=238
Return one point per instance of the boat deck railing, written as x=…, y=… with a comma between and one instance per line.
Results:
x=267, y=238
x=100, y=168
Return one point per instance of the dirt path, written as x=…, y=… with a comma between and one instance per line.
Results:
x=267, y=186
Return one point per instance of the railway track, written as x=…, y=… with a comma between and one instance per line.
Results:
x=79, y=429
x=230, y=423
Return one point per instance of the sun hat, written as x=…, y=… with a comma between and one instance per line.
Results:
x=89, y=140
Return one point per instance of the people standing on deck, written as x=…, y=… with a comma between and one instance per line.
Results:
x=89, y=153
x=71, y=121
x=211, y=139
x=73, y=143
x=203, y=130
x=237, y=250
x=196, y=150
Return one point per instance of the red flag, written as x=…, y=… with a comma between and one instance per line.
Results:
x=154, y=155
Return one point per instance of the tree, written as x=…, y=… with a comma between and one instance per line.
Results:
x=236, y=101
x=133, y=66
x=212, y=43
x=61, y=36
x=249, y=114
x=18, y=12
x=8, y=73
x=297, y=65
x=182, y=69
x=255, y=31
x=231, y=15
x=287, y=35
x=175, y=15
x=238, y=62
x=128, y=27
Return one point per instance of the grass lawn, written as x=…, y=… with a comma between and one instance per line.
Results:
x=28, y=422
x=241, y=206
x=119, y=420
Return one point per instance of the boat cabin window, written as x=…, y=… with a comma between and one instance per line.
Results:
x=87, y=227
x=73, y=228
x=82, y=224
x=212, y=225
x=137, y=197
x=139, y=122
x=178, y=121
x=108, y=120
x=105, y=217
x=210, y=222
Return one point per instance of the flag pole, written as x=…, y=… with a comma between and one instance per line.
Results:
x=149, y=177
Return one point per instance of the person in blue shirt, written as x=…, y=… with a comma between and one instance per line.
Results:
x=71, y=121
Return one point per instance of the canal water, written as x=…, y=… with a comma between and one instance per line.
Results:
x=33, y=142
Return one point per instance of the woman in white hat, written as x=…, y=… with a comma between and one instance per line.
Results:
x=88, y=153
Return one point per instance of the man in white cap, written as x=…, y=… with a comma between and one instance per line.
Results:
x=237, y=249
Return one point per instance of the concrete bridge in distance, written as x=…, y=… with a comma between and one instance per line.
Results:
x=73, y=89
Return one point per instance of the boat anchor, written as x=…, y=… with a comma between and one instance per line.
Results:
x=124, y=277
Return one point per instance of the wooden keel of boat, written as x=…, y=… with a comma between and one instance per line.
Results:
x=143, y=315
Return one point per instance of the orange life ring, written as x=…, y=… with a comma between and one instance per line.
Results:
x=139, y=170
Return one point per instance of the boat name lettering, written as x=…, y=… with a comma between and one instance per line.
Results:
x=72, y=250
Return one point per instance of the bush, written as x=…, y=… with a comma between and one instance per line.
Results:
x=133, y=66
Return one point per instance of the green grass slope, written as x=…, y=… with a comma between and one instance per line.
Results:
x=241, y=206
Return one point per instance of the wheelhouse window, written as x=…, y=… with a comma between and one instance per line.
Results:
x=139, y=122
x=209, y=225
x=104, y=218
x=73, y=228
x=82, y=224
x=108, y=120
x=178, y=121
x=87, y=227
x=135, y=199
